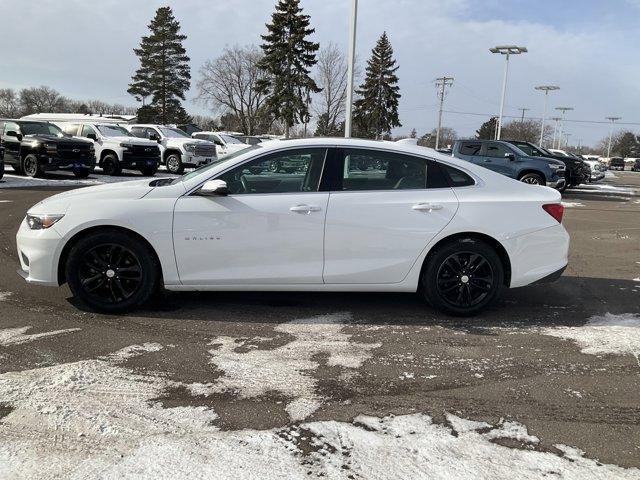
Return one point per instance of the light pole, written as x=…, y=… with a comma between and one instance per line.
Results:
x=507, y=51
x=351, y=68
x=612, y=119
x=566, y=139
x=555, y=131
x=546, y=89
x=563, y=110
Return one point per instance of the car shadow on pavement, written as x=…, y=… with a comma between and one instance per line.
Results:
x=568, y=302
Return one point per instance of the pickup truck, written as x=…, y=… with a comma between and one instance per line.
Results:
x=116, y=149
x=226, y=144
x=178, y=150
x=511, y=161
x=33, y=148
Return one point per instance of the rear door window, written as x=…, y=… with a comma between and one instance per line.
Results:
x=470, y=148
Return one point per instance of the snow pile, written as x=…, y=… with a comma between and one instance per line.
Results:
x=572, y=204
x=606, y=334
x=17, y=336
x=286, y=369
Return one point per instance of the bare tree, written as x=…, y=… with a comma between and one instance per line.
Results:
x=41, y=99
x=228, y=85
x=9, y=103
x=331, y=77
x=526, y=131
x=447, y=137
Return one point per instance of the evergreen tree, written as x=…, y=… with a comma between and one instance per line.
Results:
x=164, y=72
x=487, y=130
x=376, y=111
x=288, y=58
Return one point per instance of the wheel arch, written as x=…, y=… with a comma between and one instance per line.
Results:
x=495, y=244
x=64, y=254
x=108, y=151
x=525, y=171
x=170, y=151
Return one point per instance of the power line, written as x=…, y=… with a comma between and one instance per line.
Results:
x=441, y=83
x=538, y=118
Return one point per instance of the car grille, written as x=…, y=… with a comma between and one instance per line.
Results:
x=144, y=151
x=205, y=150
x=71, y=151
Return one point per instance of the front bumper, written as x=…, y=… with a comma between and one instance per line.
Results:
x=138, y=162
x=38, y=251
x=48, y=163
x=191, y=160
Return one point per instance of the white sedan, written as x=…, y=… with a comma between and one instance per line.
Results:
x=349, y=215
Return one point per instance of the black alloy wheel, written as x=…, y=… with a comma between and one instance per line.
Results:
x=111, y=165
x=112, y=271
x=465, y=279
x=30, y=166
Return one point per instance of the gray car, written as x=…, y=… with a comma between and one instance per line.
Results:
x=509, y=160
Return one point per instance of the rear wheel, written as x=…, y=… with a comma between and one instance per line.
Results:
x=174, y=164
x=111, y=165
x=112, y=271
x=532, y=179
x=31, y=167
x=463, y=277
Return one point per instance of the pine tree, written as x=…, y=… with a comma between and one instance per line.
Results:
x=376, y=111
x=164, y=72
x=487, y=130
x=288, y=58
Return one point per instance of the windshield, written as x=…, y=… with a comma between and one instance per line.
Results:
x=113, y=131
x=173, y=132
x=230, y=139
x=204, y=168
x=40, y=129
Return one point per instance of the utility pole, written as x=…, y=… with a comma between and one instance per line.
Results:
x=505, y=50
x=441, y=83
x=566, y=140
x=546, y=89
x=612, y=119
x=523, y=110
x=350, y=69
x=579, y=146
x=563, y=110
x=555, y=130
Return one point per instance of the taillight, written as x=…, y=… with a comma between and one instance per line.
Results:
x=556, y=210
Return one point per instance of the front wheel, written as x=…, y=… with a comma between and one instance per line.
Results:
x=112, y=271
x=111, y=166
x=31, y=167
x=149, y=171
x=81, y=172
x=174, y=164
x=463, y=277
x=532, y=179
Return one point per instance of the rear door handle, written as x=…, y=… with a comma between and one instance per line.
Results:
x=427, y=207
x=305, y=209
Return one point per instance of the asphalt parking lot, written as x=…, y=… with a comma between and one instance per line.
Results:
x=304, y=369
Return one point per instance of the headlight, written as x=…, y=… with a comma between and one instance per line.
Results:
x=126, y=145
x=51, y=147
x=555, y=166
x=190, y=147
x=39, y=222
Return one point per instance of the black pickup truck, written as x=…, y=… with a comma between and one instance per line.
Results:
x=33, y=148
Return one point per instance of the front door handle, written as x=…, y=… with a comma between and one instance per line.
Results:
x=427, y=207
x=305, y=209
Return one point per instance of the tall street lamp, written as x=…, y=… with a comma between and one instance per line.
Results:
x=555, y=131
x=507, y=51
x=612, y=119
x=563, y=110
x=350, y=69
x=546, y=89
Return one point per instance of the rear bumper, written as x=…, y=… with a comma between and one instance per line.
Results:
x=538, y=255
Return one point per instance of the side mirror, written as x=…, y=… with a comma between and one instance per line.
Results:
x=510, y=156
x=214, y=188
x=154, y=137
x=12, y=133
x=92, y=136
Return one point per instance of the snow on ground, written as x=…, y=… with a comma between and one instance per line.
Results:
x=17, y=336
x=252, y=372
x=606, y=334
x=572, y=204
x=62, y=180
x=97, y=419
x=4, y=295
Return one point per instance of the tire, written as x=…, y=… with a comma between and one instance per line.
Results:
x=462, y=277
x=111, y=166
x=96, y=266
x=149, y=171
x=82, y=172
x=31, y=167
x=174, y=164
x=532, y=179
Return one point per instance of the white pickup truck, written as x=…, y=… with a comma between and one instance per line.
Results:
x=178, y=150
x=226, y=144
x=116, y=148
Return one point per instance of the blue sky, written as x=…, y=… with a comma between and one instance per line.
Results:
x=83, y=48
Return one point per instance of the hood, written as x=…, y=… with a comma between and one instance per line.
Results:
x=188, y=140
x=237, y=146
x=59, y=140
x=552, y=161
x=61, y=202
x=134, y=141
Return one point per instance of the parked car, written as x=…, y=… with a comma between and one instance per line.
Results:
x=33, y=148
x=509, y=160
x=177, y=149
x=117, y=149
x=616, y=163
x=250, y=139
x=597, y=169
x=577, y=170
x=225, y=143
x=636, y=166
x=415, y=226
